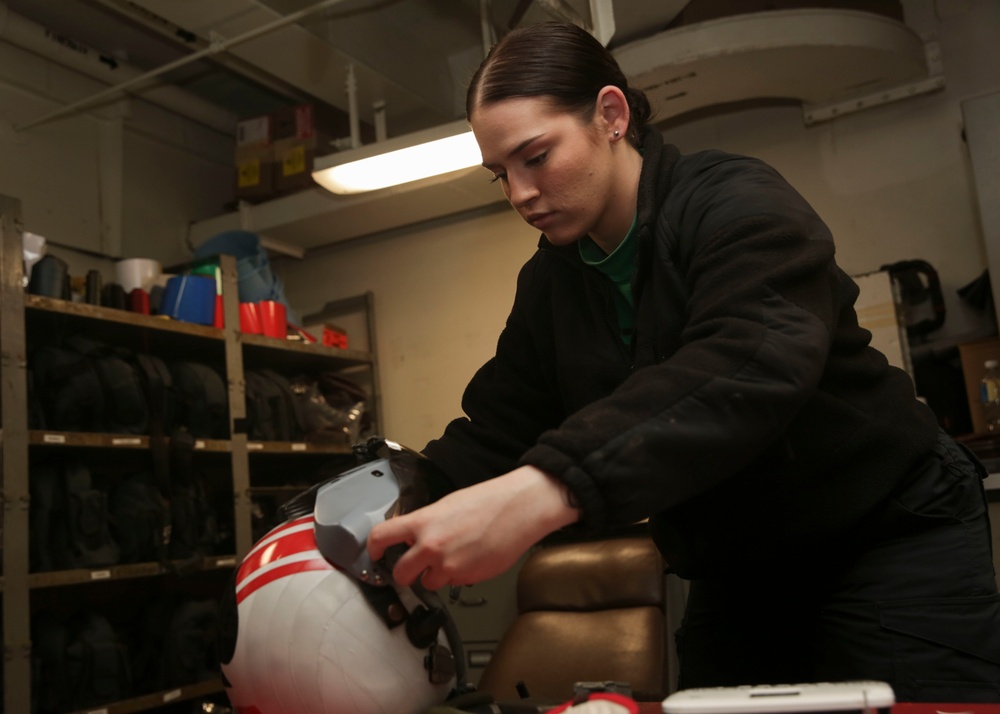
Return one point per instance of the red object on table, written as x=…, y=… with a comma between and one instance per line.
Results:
x=944, y=708
x=898, y=708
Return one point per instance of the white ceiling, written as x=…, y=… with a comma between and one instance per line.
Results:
x=415, y=56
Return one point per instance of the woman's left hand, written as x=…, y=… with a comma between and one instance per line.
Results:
x=475, y=533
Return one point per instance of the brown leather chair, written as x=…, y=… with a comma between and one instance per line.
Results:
x=588, y=611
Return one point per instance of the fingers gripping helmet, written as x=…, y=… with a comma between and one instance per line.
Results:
x=313, y=625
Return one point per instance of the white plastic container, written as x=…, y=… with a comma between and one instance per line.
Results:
x=133, y=273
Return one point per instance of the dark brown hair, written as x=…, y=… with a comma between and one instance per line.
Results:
x=559, y=61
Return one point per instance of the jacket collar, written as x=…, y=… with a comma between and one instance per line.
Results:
x=658, y=161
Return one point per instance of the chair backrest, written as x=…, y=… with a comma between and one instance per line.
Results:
x=587, y=611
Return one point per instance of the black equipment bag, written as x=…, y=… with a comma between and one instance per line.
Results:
x=202, y=399
x=126, y=411
x=67, y=391
x=142, y=518
x=85, y=385
x=327, y=409
x=271, y=407
x=78, y=662
x=158, y=386
x=189, y=654
x=70, y=525
x=36, y=415
x=174, y=643
x=331, y=408
x=194, y=531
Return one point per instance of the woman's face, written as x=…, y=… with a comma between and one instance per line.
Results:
x=555, y=170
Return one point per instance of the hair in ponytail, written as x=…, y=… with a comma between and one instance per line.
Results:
x=559, y=61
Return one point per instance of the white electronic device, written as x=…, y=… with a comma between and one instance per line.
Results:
x=861, y=696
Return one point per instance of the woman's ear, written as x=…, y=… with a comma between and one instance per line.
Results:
x=612, y=112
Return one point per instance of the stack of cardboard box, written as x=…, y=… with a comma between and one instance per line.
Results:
x=254, y=159
x=275, y=152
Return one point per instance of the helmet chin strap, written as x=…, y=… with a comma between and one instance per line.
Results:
x=454, y=661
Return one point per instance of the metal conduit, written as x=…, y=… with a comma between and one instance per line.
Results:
x=602, y=20
x=486, y=26
x=213, y=48
x=190, y=42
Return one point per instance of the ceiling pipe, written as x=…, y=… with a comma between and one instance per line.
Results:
x=217, y=45
x=188, y=41
x=353, y=138
x=602, y=20
x=518, y=14
x=381, y=130
x=602, y=16
x=486, y=26
x=352, y=107
x=562, y=10
x=70, y=53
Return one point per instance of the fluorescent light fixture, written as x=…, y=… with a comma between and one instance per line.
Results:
x=433, y=152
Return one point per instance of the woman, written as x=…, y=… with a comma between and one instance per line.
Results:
x=683, y=347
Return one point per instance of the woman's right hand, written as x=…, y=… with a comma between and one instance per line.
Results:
x=475, y=533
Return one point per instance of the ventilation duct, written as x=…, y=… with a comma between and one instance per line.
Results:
x=832, y=61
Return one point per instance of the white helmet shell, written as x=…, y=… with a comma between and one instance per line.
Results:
x=308, y=638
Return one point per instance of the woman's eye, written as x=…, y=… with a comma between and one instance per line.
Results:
x=498, y=177
x=536, y=160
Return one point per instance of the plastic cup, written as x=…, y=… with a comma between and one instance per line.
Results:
x=250, y=318
x=138, y=301
x=133, y=273
x=273, y=319
x=220, y=313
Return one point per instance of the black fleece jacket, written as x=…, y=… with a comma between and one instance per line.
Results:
x=750, y=420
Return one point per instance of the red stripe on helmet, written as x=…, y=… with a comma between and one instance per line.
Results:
x=282, y=571
x=276, y=549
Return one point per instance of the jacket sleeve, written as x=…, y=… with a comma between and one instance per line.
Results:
x=763, y=301
x=507, y=403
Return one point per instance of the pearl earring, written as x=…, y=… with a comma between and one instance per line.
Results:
x=616, y=133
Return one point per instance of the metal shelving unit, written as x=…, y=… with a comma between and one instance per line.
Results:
x=20, y=315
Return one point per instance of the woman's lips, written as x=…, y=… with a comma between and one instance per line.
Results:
x=540, y=220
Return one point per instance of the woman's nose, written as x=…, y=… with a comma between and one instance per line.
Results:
x=520, y=192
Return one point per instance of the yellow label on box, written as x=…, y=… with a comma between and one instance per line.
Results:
x=248, y=173
x=294, y=161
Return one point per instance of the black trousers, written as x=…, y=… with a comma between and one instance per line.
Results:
x=917, y=607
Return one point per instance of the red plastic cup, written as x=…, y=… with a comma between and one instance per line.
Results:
x=138, y=301
x=273, y=319
x=220, y=313
x=250, y=318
